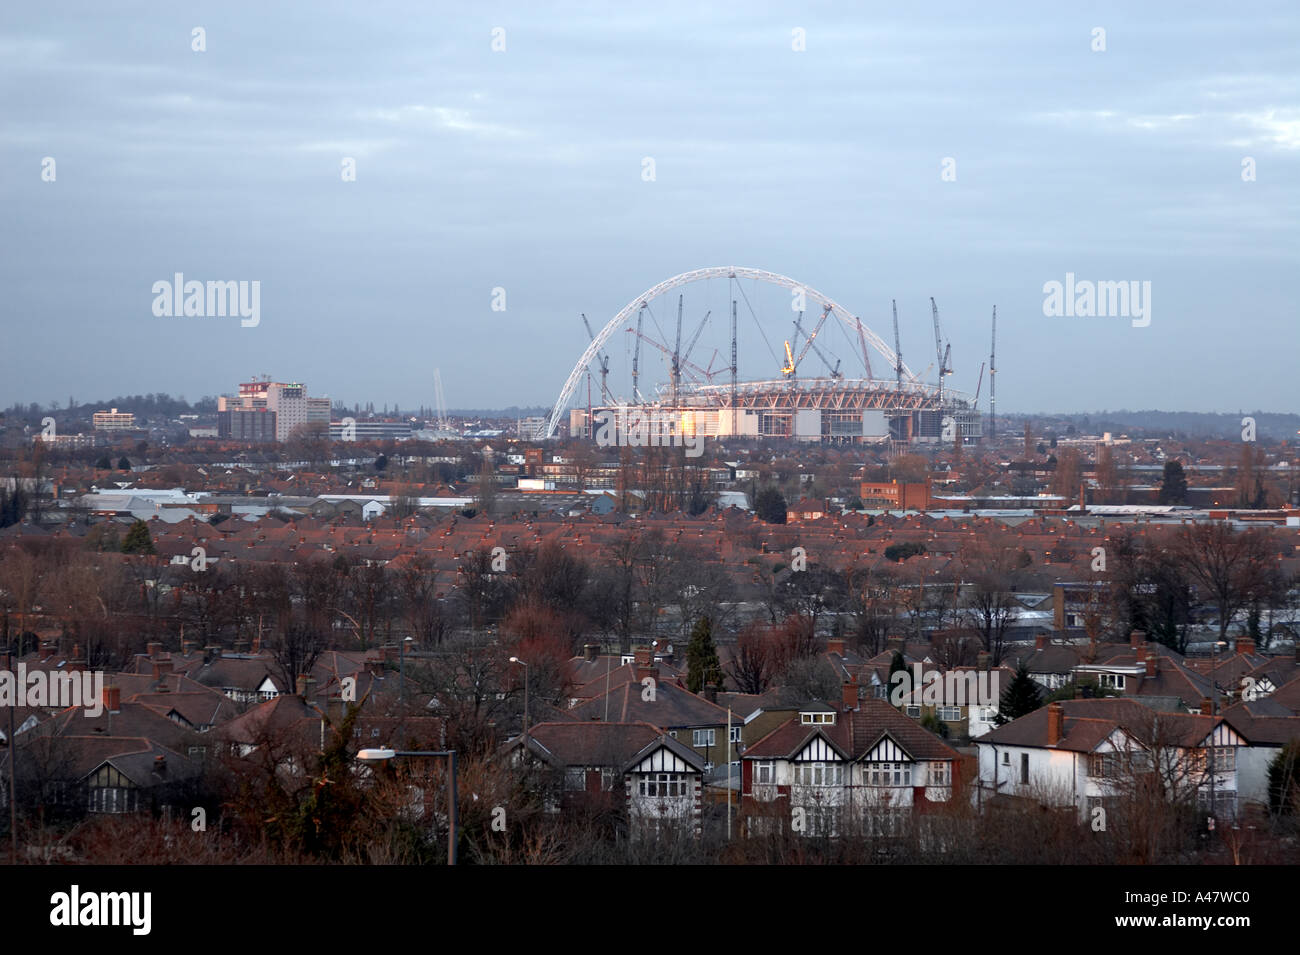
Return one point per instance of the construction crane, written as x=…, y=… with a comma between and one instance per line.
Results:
x=944, y=356
x=689, y=366
x=791, y=364
x=696, y=337
x=636, y=355
x=442, y=402
x=993, y=370
x=975, y=402
x=604, y=365
x=862, y=343
x=898, y=348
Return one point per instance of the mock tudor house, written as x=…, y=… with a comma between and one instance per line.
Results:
x=1085, y=754
x=833, y=770
x=632, y=765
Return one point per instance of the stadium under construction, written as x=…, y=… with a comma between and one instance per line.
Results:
x=688, y=399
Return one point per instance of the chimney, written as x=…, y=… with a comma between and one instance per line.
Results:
x=1207, y=707
x=648, y=670
x=1141, y=653
x=983, y=659
x=711, y=692
x=161, y=668
x=894, y=642
x=47, y=651
x=589, y=652
x=1040, y=641
x=642, y=656
x=390, y=654
x=188, y=647
x=849, y=696
x=1055, y=723
x=154, y=650
x=1153, y=664
x=1137, y=638
x=113, y=699
x=1246, y=645
x=835, y=645
x=306, y=687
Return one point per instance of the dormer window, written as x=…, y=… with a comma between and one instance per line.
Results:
x=813, y=719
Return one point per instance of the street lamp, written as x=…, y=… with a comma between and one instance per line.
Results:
x=1214, y=712
x=401, y=668
x=384, y=754
x=526, y=669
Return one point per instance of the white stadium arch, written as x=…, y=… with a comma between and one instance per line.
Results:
x=696, y=275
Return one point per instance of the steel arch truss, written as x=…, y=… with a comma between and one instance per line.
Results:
x=685, y=278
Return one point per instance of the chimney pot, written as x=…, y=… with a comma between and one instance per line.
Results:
x=1152, y=664
x=154, y=649
x=589, y=652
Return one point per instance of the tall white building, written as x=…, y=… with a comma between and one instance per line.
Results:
x=288, y=401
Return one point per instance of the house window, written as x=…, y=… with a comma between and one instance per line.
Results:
x=764, y=774
x=988, y=714
x=374, y=733
x=940, y=774
x=889, y=774
x=914, y=712
x=735, y=734
x=1024, y=769
x=662, y=785
x=1104, y=765
x=819, y=774
x=575, y=779
x=950, y=714
x=704, y=738
x=199, y=751
x=1006, y=759
x=880, y=692
x=816, y=718
x=1111, y=681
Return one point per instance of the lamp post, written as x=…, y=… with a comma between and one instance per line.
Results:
x=1214, y=712
x=401, y=669
x=526, y=669
x=384, y=754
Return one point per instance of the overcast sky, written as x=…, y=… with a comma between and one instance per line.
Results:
x=523, y=168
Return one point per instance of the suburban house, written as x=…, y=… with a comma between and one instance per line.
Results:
x=1085, y=754
x=631, y=766
x=835, y=770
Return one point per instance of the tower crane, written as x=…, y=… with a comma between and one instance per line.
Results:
x=636, y=355
x=944, y=355
x=898, y=348
x=993, y=370
x=604, y=364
